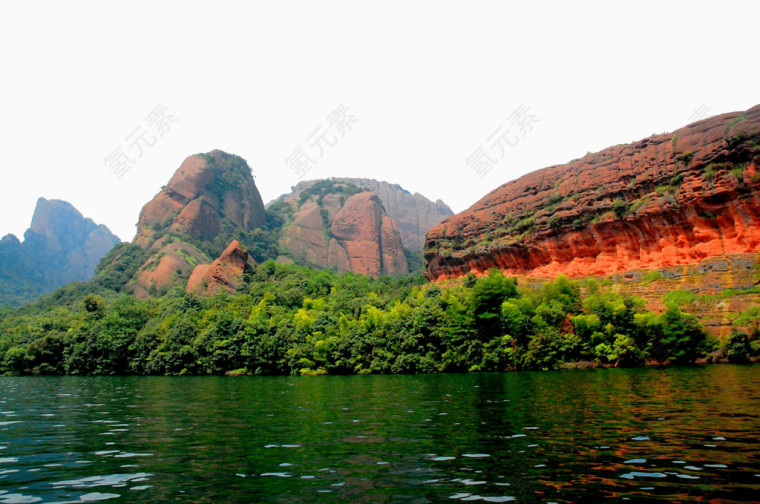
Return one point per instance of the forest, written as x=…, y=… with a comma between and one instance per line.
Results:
x=287, y=320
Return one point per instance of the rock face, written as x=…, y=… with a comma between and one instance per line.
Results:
x=225, y=273
x=708, y=280
x=668, y=200
x=414, y=214
x=210, y=199
x=208, y=195
x=338, y=225
x=365, y=240
x=172, y=261
x=715, y=289
x=60, y=246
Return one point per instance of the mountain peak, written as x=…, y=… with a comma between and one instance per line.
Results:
x=60, y=246
x=210, y=200
x=336, y=224
x=51, y=216
x=209, y=194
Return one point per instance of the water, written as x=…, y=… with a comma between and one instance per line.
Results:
x=643, y=435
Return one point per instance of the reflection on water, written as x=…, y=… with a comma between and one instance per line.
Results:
x=643, y=435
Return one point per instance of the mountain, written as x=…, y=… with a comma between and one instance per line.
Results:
x=60, y=246
x=414, y=214
x=209, y=221
x=210, y=201
x=333, y=224
x=668, y=200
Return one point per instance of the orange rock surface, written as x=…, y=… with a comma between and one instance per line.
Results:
x=226, y=272
x=720, y=287
x=362, y=243
x=668, y=200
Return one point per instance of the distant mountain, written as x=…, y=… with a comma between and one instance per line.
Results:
x=60, y=246
x=414, y=213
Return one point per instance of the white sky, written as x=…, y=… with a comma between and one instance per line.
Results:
x=429, y=82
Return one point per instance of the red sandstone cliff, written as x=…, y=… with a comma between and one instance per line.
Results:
x=209, y=192
x=172, y=260
x=365, y=240
x=671, y=199
x=210, y=199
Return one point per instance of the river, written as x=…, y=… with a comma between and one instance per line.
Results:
x=624, y=435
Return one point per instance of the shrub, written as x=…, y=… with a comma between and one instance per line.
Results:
x=620, y=208
x=738, y=348
x=685, y=157
x=651, y=276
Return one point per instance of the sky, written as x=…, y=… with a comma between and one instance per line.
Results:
x=100, y=102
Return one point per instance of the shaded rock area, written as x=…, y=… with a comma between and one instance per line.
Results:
x=338, y=225
x=414, y=214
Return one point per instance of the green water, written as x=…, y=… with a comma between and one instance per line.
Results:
x=642, y=435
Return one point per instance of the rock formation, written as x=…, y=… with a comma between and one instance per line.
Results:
x=209, y=194
x=414, y=214
x=338, y=225
x=365, y=240
x=668, y=200
x=226, y=272
x=172, y=260
x=60, y=246
x=210, y=200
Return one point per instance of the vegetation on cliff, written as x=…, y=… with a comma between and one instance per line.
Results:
x=289, y=319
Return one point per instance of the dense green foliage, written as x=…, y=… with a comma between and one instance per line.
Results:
x=327, y=186
x=112, y=277
x=289, y=319
x=744, y=342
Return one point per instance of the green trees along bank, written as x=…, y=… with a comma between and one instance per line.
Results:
x=289, y=319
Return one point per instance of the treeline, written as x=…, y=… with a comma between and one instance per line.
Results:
x=289, y=319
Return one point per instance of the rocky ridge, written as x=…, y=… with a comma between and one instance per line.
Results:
x=668, y=200
x=225, y=273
